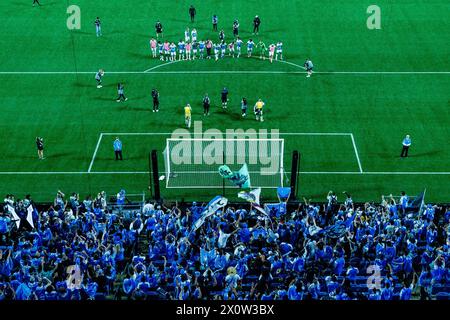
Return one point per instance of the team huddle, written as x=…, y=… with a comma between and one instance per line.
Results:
x=191, y=48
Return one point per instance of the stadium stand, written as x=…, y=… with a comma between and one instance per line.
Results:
x=91, y=249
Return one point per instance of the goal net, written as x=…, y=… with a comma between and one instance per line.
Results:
x=194, y=163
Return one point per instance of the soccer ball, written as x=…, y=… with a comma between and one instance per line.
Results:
x=161, y=178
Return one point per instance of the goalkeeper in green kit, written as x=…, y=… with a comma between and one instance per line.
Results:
x=262, y=50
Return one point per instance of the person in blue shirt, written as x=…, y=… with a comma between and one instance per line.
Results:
x=98, y=27
x=117, y=144
x=386, y=292
x=406, y=291
x=215, y=20
x=120, y=92
x=309, y=67
x=406, y=143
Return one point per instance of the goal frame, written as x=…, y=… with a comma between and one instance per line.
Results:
x=168, y=171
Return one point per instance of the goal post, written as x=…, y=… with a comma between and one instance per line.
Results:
x=195, y=162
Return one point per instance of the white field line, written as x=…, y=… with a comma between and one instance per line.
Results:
x=356, y=153
x=95, y=152
x=280, y=133
x=161, y=65
x=228, y=72
x=301, y=172
x=151, y=71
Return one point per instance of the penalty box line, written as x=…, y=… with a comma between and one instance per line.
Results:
x=170, y=133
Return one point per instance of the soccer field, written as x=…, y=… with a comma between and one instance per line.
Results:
x=370, y=88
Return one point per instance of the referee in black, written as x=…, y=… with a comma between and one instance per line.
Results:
x=40, y=147
x=206, y=105
x=256, y=23
x=192, y=13
x=155, y=96
x=36, y=1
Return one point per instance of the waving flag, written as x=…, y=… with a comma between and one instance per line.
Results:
x=214, y=205
x=418, y=203
x=250, y=196
x=283, y=193
x=14, y=215
x=239, y=178
x=253, y=198
x=335, y=231
x=30, y=215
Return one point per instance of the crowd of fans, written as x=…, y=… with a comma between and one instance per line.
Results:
x=335, y=250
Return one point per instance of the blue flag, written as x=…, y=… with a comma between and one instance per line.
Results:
x=215, y=204
x=283, y=193
x=418, y=201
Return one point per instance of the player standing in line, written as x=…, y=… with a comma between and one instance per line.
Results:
x=120, y=91
x=40, y=147
x=279, y=50
x=224, y=97
x=98, y=76
x=238, y=46
x=258, y=110
x=244, y=107
x=159, y=29
x=173, y=53
x=181, y=48
x=167, y=52
x=194, y=50
x=215, y=21
x=201, y=48
x=309, y=67
x=155, y=96
x=216, y=51
x=206, y=105
x=194, y=35
x=262, y=49
x=250, y=45
x=153, y=45
x=98, y=27
x=223, y=48
x=231, y=49
x=187, y=35
x=187, y=115
x=209, y=46
x=221, y=35
x=236, y=28
x=188, y=51
x=161, y=51
x=271, y=52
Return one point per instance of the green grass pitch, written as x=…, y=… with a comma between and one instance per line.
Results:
x=377, y=85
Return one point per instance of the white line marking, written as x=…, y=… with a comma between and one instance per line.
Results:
x=291, y=63
x=280, y=133
x=95, y=151
x=228, y=72
x=151, y=71
x=161, y=65
x=356, y=153
x=301, y=172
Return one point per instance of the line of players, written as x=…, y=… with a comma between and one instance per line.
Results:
x=257, y=109
x=190, y=48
